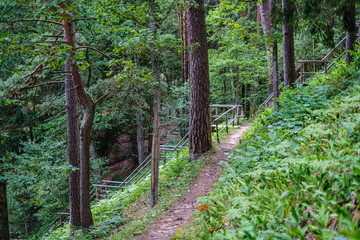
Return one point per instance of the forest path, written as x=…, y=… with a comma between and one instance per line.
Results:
x=180, y=212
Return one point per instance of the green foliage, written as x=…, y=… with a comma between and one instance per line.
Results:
x=296, y=172
x=236, y=55
x=109, y=213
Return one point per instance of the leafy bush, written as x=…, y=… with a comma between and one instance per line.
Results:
x=109, y=213
x=296, y=173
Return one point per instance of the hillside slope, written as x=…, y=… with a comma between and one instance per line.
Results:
x=296, y=173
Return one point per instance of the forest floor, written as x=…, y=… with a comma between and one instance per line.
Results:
x=181, y=211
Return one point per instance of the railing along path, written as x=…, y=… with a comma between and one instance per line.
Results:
x=307, y=67
x=219, y=123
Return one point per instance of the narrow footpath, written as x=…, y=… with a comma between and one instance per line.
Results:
x=181, y=211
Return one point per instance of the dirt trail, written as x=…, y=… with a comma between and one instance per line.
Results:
x=181, y=211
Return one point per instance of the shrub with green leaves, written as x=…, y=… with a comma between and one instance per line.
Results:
x=296, y=173
x=109, y=213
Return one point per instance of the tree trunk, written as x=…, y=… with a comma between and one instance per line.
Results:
x=350, y=34
x=243, y=96
x=85, y=129
x=275, y=64
x=265, y=10
x=236, y=86
x=4, y=219
x=185, y=46
x=85, y=138
x=181, y=33
x=73, y=137
x=288, y=43
x=4, y=216
x=156, y=126
x=258, y=19
x=247, y=103
x=182, y=18
x=200, y=128
x=140, y=136
x=93, y=155
x=139, y=124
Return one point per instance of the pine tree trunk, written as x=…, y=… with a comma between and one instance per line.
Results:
x=185, y=46
x=73, y=137
x=181, y=33
x=258, y=19
x=140, y=136
x=182, y=19
x=275, y=64
x=288, y=44
x=236, y=86
x=85, y=138
x=243, y=96
x=350, y=35
x=156, y=126
x=265, y=10
x=85, y=129
x=93, y=155
x=200, y=128
x=4, y=219
x=4, y=215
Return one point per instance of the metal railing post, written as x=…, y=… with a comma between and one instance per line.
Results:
x=233, y=122
x=238, y=115
x=226, y=122
x=217, y=131
x=302, y=73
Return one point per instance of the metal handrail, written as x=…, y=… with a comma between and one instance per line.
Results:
x=323, y=60
x=140, y=171
x=221, y=116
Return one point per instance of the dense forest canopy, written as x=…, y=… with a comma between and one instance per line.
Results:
x=78, y=80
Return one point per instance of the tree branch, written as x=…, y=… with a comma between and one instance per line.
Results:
x=80, y=19
x=102, y=98
x=38, y=68
x=37, y=20
x=96, y=50
x=42, y=84
x=52, y=118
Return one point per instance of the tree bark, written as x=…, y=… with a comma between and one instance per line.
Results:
x=181, y=33
x=185, y=46
x=4, y=216
x=140, y=136
x=156, y=126
x=288, y=43
x=85, y=129
x=73, y=137
x=85, y=138
x=258, y=19
x=350, y=34
x=182, y=18
x=265, y=10
x=275, y=64
x=236, y=86
x=93, y=155
x=199, y=128
x=4, y=219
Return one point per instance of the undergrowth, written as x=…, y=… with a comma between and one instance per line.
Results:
x=111, y=213
x=296, y=174
x=114, y=217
